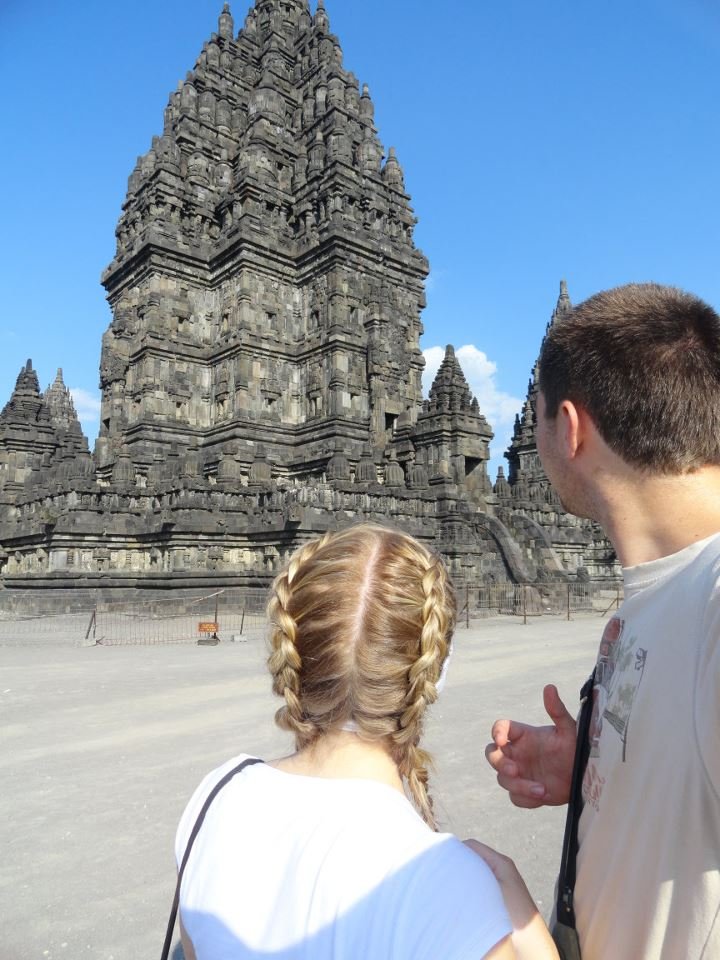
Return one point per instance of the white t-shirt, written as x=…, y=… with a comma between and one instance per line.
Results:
x=648, y=885
x=287, y=867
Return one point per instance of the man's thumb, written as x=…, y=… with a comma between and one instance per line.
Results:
x=556, y=709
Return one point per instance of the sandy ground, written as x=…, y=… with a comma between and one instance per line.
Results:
x=100, y=748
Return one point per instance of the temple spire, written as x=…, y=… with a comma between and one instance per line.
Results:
x=25, y=402
x=522, y=453
x=59, y=403
x=322, y=21
x=450, y=389
x=226, y=24
x=563, y=305
x=392, y=171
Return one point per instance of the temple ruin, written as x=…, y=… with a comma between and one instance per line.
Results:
x=261, y=374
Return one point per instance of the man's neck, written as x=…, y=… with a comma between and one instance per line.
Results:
x=649, y=517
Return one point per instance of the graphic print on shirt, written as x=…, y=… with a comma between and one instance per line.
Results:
x=618, y=674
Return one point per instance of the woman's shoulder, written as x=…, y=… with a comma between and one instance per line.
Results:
x=449, y=902
x=457, y=865
x=216, y=776
x=200, y=795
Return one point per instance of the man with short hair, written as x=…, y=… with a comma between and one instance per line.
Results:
x=629, y=434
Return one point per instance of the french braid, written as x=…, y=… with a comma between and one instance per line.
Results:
x=437, y=626
x=284, y=661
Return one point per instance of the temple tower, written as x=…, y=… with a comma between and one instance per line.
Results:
x=529, y=504
x=36, y=430
x=266, y=286
x=522, y=456
x=452, y=432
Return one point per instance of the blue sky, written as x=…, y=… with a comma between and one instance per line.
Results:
x=539, y=141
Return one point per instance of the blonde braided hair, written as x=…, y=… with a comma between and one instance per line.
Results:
x=284, y=661
x=438, y=623
x=361, y=627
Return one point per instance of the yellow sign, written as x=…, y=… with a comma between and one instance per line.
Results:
x=208, y=627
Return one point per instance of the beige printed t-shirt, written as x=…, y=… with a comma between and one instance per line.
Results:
x=648, y=884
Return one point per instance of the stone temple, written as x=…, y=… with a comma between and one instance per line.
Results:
x=261, y=374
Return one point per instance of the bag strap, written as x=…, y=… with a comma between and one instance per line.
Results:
x=568, y=863
x=195, y=830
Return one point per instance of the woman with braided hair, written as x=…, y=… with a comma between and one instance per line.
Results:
x=333, y=853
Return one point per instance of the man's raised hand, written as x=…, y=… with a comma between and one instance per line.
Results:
x=534, y=764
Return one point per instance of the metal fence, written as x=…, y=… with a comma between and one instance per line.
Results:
x=535, y=600
x=228, y=615
x=209, y=619
x=28, y=631
x=223, y=615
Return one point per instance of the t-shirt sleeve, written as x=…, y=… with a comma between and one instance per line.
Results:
x=707, y=696
x=464, y=914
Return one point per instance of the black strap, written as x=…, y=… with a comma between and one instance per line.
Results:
x=195, y=830
x=568, y=863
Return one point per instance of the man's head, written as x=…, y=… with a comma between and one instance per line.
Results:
x=643, y=363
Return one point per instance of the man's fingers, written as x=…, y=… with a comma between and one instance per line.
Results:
x=501, y=732
x=508, y=731
x=500, y=760
x=530, y=792
x=525, y=803
x=556, y=709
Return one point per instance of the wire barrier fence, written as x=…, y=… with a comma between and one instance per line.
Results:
x=206, y=620
x=528, y=600
x=41, y=631
x=220, y=616
x=228, y=616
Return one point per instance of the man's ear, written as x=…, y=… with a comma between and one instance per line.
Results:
x=570, y=429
